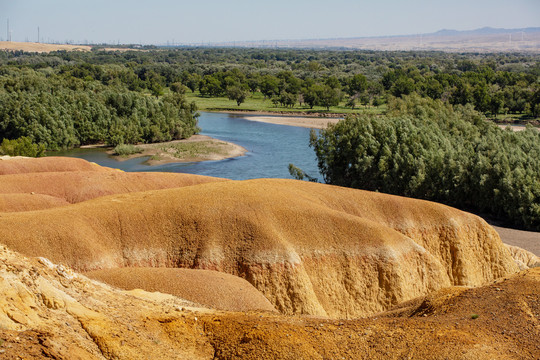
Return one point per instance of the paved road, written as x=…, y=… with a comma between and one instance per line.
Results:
x=527, y=240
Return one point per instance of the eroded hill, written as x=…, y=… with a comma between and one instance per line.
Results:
x=48, y=311
x=308, y=248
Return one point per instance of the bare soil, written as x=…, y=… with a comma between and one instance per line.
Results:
x=45, y=48
x=40, y=47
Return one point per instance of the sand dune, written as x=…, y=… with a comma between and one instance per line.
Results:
x=40, y=47
x=28, y=202
x=333, y=253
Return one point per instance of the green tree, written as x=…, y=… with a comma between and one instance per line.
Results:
x=237, y=93
x=269, y=86
x=210, y=86
x=328, y=96
x=357, y=84
x=427, y=149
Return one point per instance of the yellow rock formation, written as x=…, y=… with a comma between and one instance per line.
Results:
x=212, y=289
x=309, y=248
x=48, y=311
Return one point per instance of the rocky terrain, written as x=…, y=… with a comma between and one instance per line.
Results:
x=50, y=312
x=364, y=275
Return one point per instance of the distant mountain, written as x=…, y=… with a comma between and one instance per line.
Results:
x=483, y=31
x=486, y=39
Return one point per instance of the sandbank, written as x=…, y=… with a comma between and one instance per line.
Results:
x=196, y=148
x=306, y=122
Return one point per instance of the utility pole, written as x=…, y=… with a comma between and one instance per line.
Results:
x=8, y=37
x=38, y=34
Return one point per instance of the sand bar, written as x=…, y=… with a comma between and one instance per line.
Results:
x=306, y=122
x=199, y=148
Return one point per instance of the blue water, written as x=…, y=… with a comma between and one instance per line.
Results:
x=270, y=150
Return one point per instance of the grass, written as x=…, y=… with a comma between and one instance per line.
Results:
x=193, y=149
x=125, y=150
x=257, y=102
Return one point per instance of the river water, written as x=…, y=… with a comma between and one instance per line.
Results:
x=270, y=150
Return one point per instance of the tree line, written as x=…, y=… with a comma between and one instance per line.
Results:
x=492, y=83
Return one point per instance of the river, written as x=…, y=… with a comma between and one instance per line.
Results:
x=270, y=150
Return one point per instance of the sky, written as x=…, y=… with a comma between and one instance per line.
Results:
x=210, y=21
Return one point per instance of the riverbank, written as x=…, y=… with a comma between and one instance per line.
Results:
x=515, y=127
x=196, y=148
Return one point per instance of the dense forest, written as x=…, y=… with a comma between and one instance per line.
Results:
x=57, y=108
x=492, y=83
x=432, y=150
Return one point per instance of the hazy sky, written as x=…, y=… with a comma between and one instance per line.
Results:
x=152, y=22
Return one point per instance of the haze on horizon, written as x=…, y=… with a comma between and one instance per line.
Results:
x=189, y=22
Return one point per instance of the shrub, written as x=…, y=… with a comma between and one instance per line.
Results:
x=125, y=150
x=22, y=146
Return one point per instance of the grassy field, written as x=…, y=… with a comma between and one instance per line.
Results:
x=256, y=102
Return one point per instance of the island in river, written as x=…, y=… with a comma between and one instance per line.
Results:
x=196, y=148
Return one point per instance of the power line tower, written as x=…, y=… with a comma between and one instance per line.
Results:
x=8, y=32
x=38, y=34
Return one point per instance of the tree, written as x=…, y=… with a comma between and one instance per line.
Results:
x=402, y=86
x=327, y=96
x=351, y=102
x=300, y=174
x=269, y=86
x=311, y=94
x=357, y=84
x=428, y=149
x=178, y=88
x=332, y=82
x=287, y=99
x=210, y=86
x=193, y=81
x=237, y=93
